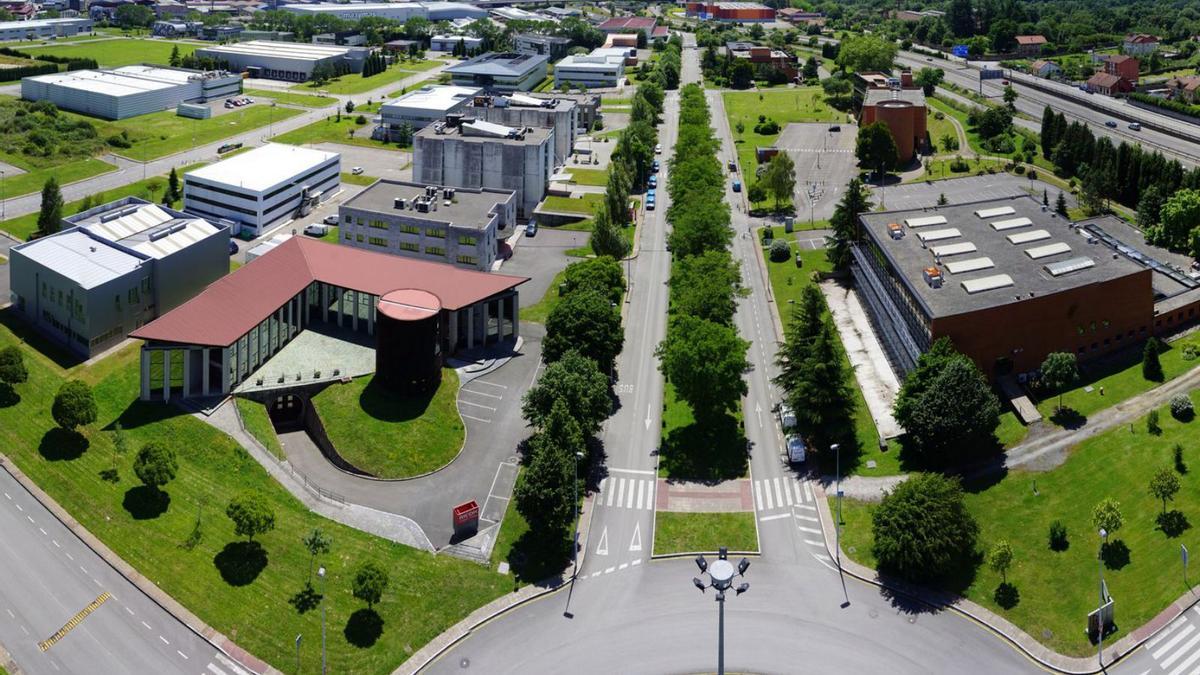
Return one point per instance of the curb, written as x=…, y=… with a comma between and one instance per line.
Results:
x=693, y=554
x=151, y=590
x=8, y=664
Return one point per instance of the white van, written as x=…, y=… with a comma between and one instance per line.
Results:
x=796, y=450
x=787, y=417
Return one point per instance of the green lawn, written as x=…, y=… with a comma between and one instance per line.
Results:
x=704, y=532
x=290, y=98
x=588, y=176
x=258, y=424
x=1058, y=589
x=940, y=169
x=803, y=104
x=32, y=181
x=117, y=52
x=530, y=559
x=976, y=143
x=712, y=450
x=412, y=87
x=538, y=312
x=360, y=179
x=165, y=133
x=333, y=130
x=584, y=205
x=392, y=436
x=355, y=83
x=242, y=590
x=938, y=128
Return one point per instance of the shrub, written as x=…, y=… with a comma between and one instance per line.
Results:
x=360, y=120
x=780, y=251
x=959, y=165
x=120, y=140
x=1181, y=407
x=1058, y=536
x=1033, y=175
x=1020, y=169
x=767, y=128
x=768, y=234
x=1152, y=425
x=923, y=529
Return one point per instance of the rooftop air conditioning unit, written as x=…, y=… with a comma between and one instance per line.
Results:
x=895, y=231
x=398, y=203
x=933, y=277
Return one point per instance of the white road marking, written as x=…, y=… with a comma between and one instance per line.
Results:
x=609, y=570
x=602, y=547
x=185, y=656
x=622, y=566
x=777, y=516
x=814, y=542
x=56, y=544
x=480, y=393
x=620, y=491
x=164, y=640
x=30, y=518
x=778, y=495
x=808, y=529
x=823, y=562
x=70, y=556
x=636, y=543
x=477, y=419
x=636, y=562
x=641, y=490
x=629, y=498
x=216, y=670
x=83, y=570
x=1167, y=647
x=796, y=487
x=758, y=495
x=1183, y=649
x=10, y=614
x=808, y=518
x=490, y=384
x=821, y=556
x=43, y=532
x=146, y=625
x=651, y=491
x=18, y=507
x=129, y=610
x=478, y=405
x=636, y=471
x=1186, y=663
x=595, y=574
x=807, y=493
x=787, y=493
x=806, y=507
x=24, y=630
x=8, y=496
x=611, y=492
x=767, y=491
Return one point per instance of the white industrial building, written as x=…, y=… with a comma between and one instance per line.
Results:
x=43, y=29
x=265, y=185
x=130, y=90
x=291, y=61
x=454, y=225
x=604, y=67
x=479, y=154
x=534, y=110
x=447, y=43
x=399, y=11
x=501, y=71
x=423, y=106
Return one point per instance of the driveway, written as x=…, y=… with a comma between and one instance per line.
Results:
x=392, y=164
x=540, y=258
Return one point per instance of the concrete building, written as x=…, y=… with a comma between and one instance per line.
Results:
x=447, y=43
x=486, y=155
x=734, y=12
x=501, y=72
x=1139, y=44
x=398, y=11
x=113, y=268
x=44, y=29
x=601, y=68
x=348, y=38
x=1006, y=280
x=760, y=54
x=1108, y=84
x=547, y=45
x=1184, y=88
x=424, y=106
x=1030, y=45
x=177, y=29
x=459, y=226
x=221, y=337
x=129, y=91
x=801, y=16
x=263, y=186
x=899, y=104
x=1047, y=69
x=289, y=61
x=630, y=24
x=1125, y=67
x=554, y=111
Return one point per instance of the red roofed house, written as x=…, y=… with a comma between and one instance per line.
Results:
x=216, y=341
x=1139, y=44
x=1184, y=88
x=630, y=24
x=1030, y=45
x=1122, y=66
x=1108, y=84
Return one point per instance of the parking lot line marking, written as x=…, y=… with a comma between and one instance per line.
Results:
x=480, y=393
x=19, y=507
x=477, y=405
x=56, y=544
x=491, y=384
x=477, y=419
x=30, y=518
x=164, y=640
x=43, y=532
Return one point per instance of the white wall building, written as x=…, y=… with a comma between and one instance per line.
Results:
x=41, y=29
x=292, y=61
x=424, y=106
x=400, y=11
x=130, y=90
x=263, y=186
x=604, y=67
x=447, y=43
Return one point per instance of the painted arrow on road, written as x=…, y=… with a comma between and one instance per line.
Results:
x=649, y=407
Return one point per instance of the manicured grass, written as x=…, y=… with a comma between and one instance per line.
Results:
x=412, y=87
x=1058, y=589
x=360, y=179
x=937, y=129
x=803, y=104
x=332, y=130
x=241, y=590
x=392, y=436
x=588, y=176
x=627, y=233
x=258, y=424
x=713, y=449
x=975, y=142
x=291, y=98
x=538, y=312
x=33, y=181
x=584, y=205
x=117, y=52
x=150, y=189
x=939, y=169
x=165, y=133
x=530, y=559
x=704, y=532
x=355, y=83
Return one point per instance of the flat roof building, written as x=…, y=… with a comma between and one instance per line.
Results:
x=904, y=113
x=291, y=61
x=630, y=24
x=422, y=107
x=113, y=268
x=218, y=339
x=40, y=29
x=556, y=111
x=1007, y=280
x=480, y=154
x=447, y=43
x=547, y=45
x=501, y=72
x=129, y=91
x=601, y=68
x=459, y=226
x=263, y=186
x=398, y=11
x=735, y=12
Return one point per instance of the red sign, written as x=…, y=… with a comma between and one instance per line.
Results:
x=466, y=514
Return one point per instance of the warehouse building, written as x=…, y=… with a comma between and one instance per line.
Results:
x=217, y=340
x=112, y=269
x=734, y=12
x=447, y=43
x=501, y=72
x=291, y=61
x=547, y=45
x=129, y=91
x=630, y=24
x=601, y=68
x=266, y=185
x=455, y=225
x=555, y=111
x=44, y=29
x=1007, y=280
x=422, y=107
x=398, y=11
x=478, y=154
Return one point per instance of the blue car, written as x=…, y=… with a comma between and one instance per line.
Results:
x=655, y=165
x=737, y=186
x=653, y=181
x=650, y=193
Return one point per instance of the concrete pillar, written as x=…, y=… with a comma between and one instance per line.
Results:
x=337, y=294
x=224, y=370
x=452, y=329
x=204, y=371
x=145, y=374
x=307, y=308
x=354, y=310
x=187, y=371
x=371, y=300
x=324, y=288
x=487, y=313
x=471, y=327
x=516, y=311
x=166, y=375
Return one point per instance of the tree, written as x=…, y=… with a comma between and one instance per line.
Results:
x=585, y=321
x=922, y=528
x=316, y=543
x=705, y=362
x=607, y=238
x=741, y=74
x=1151, y=366
x=811, y=69
x=1148, y=206
x=860, y=54
x=705, y=285
x=958, y=411
x=173, y=194
x=576, y=381
x=961, y=18
x=780, y=177
x=844, y=223
x=369, y=583
x=876, y=149
x=174, y=60
x=928, y=79
x=74, y=406
x=349, y=107
x=155, y=465
x=602, y=274
x=545, y=495
x=251, y=515
x=1010, y=97
x=804, y=322
x=49, y=219
x=1060, y=205
x=837, y=88
x=1164, y=485
x=1059, y=371
x=1000, y=558
x=941, y=200
x=12, y=366
x=1107, y=516
x=822, y=398
x=1177, y=217
x=132, y=15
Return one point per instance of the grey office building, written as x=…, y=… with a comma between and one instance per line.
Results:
x=460, y=226
x=524, y=110
x=291, y=61
x=112, y=269
x=501, y=72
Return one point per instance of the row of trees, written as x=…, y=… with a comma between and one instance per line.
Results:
x=374, y=64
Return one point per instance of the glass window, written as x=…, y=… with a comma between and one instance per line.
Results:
x=378, y=241
x=409, y=246
x=467, y=240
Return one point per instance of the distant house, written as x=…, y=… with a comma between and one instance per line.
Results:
x=1184, y=88
x=1122, y=66
x=798, y=16
x=1047, y=69
x=1108, y=84
x=1030, y=45
x=1139, y=44
x=630, y=24
x=762, y=54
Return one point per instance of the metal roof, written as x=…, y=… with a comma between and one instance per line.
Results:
x=998, y=211
x=87, y=261
x=146, y=228
x=1039, y=252
x=987, y=283
x=972, y=265
x=1010, y=224
x=263, y=167
x=290, y=50
x=507, y=65
x=1028, y=237
x=437, y=97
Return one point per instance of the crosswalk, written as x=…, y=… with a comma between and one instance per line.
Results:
x=771, y=494
x=223, y=665
x=1176, y=649
x=627, y=493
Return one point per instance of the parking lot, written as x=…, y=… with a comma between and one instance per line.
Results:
x=540, y=258
x=390, y=164
x=959, y=191
x=825, y=162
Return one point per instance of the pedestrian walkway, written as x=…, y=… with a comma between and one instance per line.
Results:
x=729, y=496
x=780, y=493
x=619, y=492
x=222, y=665
x=1176, y=648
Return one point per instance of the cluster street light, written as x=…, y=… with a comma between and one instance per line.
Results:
x=720, y=575
x=321, y=574
x=1100, y=607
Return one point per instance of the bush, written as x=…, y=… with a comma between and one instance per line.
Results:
x=1152, y=425
x=1181, y=407
x=1058, y=536
x=1033, y=175
x=780, y=251
x=120, y=140
x=768, y=234
x=360, y=120
x=923, y=529
x=1020, y=169
x=959, y=165
x=767, y=128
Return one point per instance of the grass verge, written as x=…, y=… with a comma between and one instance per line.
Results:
x=165, y=133
x=707, y=450
x=258, y=424
x=117, y=52
x=291, y=98
x=345, y=130
x=27, y=183
x=803, y=104
x=704, y=532
x=355, y=83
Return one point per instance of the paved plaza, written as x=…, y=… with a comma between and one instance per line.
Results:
x=318, y=354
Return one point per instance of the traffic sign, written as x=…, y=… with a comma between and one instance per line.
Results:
x=960, y=51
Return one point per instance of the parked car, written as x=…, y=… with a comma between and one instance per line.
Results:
x=1135, y=126
x=655, y=166
x=653, y=182
x=1004, y=82
x=531, y=229
x=649, y=202
x=835, y=128
x=316, y=229
x=357, y=171
x=650, y=194
x=787, y=417
x=737, y=186
x=658, y=149
x=233, y=248
x=1112, y=124
x=331, y=219
x=733, y=165
x=797, y=452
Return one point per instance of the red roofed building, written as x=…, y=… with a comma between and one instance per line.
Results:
x=630, y=24
x=218, y=339
x=1122, y=66
x=1030, y=45
x=1139, y=44
x=1184, y=88
x=737, y=12
x=1108, y=84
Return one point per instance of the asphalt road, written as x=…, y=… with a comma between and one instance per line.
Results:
x=49, y=575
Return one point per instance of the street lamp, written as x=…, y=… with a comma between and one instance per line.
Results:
x=1100, y=607
x=837, y=451
x=720, y=575
x=575, y=537
x=321, y=573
